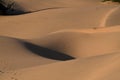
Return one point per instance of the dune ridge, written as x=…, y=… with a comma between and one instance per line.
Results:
x=103, y=24
x=12, y=49
x=114, y=18
x=57, y=15
x=79, y=44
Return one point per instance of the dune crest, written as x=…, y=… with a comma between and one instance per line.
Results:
x=79, y=44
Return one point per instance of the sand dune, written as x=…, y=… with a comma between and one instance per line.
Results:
x=82, y=43
x=20, y=6
x=59, y=40
x=12, y=49
x=113, y=19
x=100, y=68
x=45, y=22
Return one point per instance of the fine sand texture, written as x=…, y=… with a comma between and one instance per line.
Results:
x=59, y=40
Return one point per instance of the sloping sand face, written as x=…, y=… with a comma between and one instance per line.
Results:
x=82, y=43
x=37, y=43
x=104, y=67
x=20, y=6
x=45, y=22
x=114, y=18
x=13, y=55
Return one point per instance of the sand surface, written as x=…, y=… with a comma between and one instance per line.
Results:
x=60, y=40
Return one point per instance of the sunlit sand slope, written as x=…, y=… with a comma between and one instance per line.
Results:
x=44, y=22
x=104, y=67
x=21, y=6
x=14, y=55
x=59, y=40
x=82, y=43
x=114, y=18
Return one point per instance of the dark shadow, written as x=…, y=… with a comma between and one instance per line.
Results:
x=10, y=11
x=2, y=9
x=9, y=8
x=47, y=53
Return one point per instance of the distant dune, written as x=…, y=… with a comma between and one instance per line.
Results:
x=59, y=40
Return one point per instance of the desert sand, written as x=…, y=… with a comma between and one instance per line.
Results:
x=60, y=40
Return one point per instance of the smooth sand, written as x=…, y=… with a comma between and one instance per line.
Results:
x=61, y=40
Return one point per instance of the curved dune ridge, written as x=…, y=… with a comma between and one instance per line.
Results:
x=114, y=18
x=59, y=40
x=54, y=20
x=20, y=7
x=12, y=49
x=81, y=43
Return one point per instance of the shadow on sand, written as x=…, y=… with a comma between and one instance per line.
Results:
x=6, y=9
x=11, y=8
x=10, y=11
x=47, y=53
